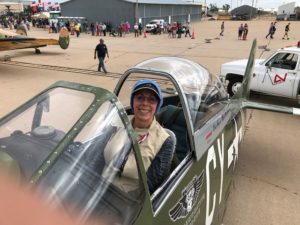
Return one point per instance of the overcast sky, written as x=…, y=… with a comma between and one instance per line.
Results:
x=256, y=3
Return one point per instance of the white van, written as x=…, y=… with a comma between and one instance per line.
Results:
x=153, y=24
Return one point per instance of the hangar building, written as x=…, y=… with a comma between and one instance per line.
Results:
x=244, y=12
x=116, y=11
x=289, y=11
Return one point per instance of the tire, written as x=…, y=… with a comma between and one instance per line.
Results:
x=234, y=85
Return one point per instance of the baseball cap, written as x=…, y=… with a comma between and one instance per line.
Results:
x=147, y=85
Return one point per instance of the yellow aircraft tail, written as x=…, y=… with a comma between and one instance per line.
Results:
x=64, y=38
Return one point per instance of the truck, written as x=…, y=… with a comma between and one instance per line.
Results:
x=53, y=16
x=278, y=75
x=152, y=25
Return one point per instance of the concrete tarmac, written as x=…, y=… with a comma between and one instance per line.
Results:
x=267, y=182
x=266, y=186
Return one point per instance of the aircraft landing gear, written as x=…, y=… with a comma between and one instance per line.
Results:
x=7, y=58
x=37, y=51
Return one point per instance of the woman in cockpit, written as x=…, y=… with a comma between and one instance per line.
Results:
x=155, y=143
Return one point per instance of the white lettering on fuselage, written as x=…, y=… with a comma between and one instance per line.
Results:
x=221, y=157
x=233, y=151
x=211, y=158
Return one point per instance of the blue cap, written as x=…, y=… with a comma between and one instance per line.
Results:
x=149, y=85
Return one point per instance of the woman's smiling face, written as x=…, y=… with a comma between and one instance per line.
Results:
x=144, y=106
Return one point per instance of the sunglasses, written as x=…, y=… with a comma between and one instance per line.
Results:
x=141, y=98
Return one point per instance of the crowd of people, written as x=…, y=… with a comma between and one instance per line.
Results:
x=100, y=28
x=243, y=31
x=272, y=30
x=176, y=29
x=12, y=22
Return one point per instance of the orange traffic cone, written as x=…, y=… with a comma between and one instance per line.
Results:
x=49, y=29
x=145, y=34
x=193, y=35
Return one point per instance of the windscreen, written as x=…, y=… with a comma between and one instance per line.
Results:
x=31, y=133
x=88, y=179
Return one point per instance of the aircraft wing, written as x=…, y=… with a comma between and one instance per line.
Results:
x=25, y=42
x=14, y=41
x=8, y=33
x=272, y=108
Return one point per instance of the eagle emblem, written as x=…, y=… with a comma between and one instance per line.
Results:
x=188, y=199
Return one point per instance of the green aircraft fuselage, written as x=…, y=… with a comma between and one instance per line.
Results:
x=73, y=142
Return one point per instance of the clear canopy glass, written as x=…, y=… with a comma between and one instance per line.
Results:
x=198, y=87
x=84, y=175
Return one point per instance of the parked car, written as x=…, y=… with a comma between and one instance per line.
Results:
x=152, y=25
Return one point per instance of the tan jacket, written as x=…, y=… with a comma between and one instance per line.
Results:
x=150, y=142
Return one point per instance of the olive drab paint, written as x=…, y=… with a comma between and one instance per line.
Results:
x=212, y=159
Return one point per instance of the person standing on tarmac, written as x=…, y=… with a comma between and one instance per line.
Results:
x=136, y=30
x=222, y=29
x=77, y=29
x=245, y=32
x=187, y=29
x=273, y=29
x=270, y=31
x=140, y=28
x=101, y=50
x=104, y=29
x=92, y=28
x=179, y=30
x=286, y=31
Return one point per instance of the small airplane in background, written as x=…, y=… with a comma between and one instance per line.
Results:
x=19, y=40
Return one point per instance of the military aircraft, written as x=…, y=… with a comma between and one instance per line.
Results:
x=19, y=40
x=71, y=142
